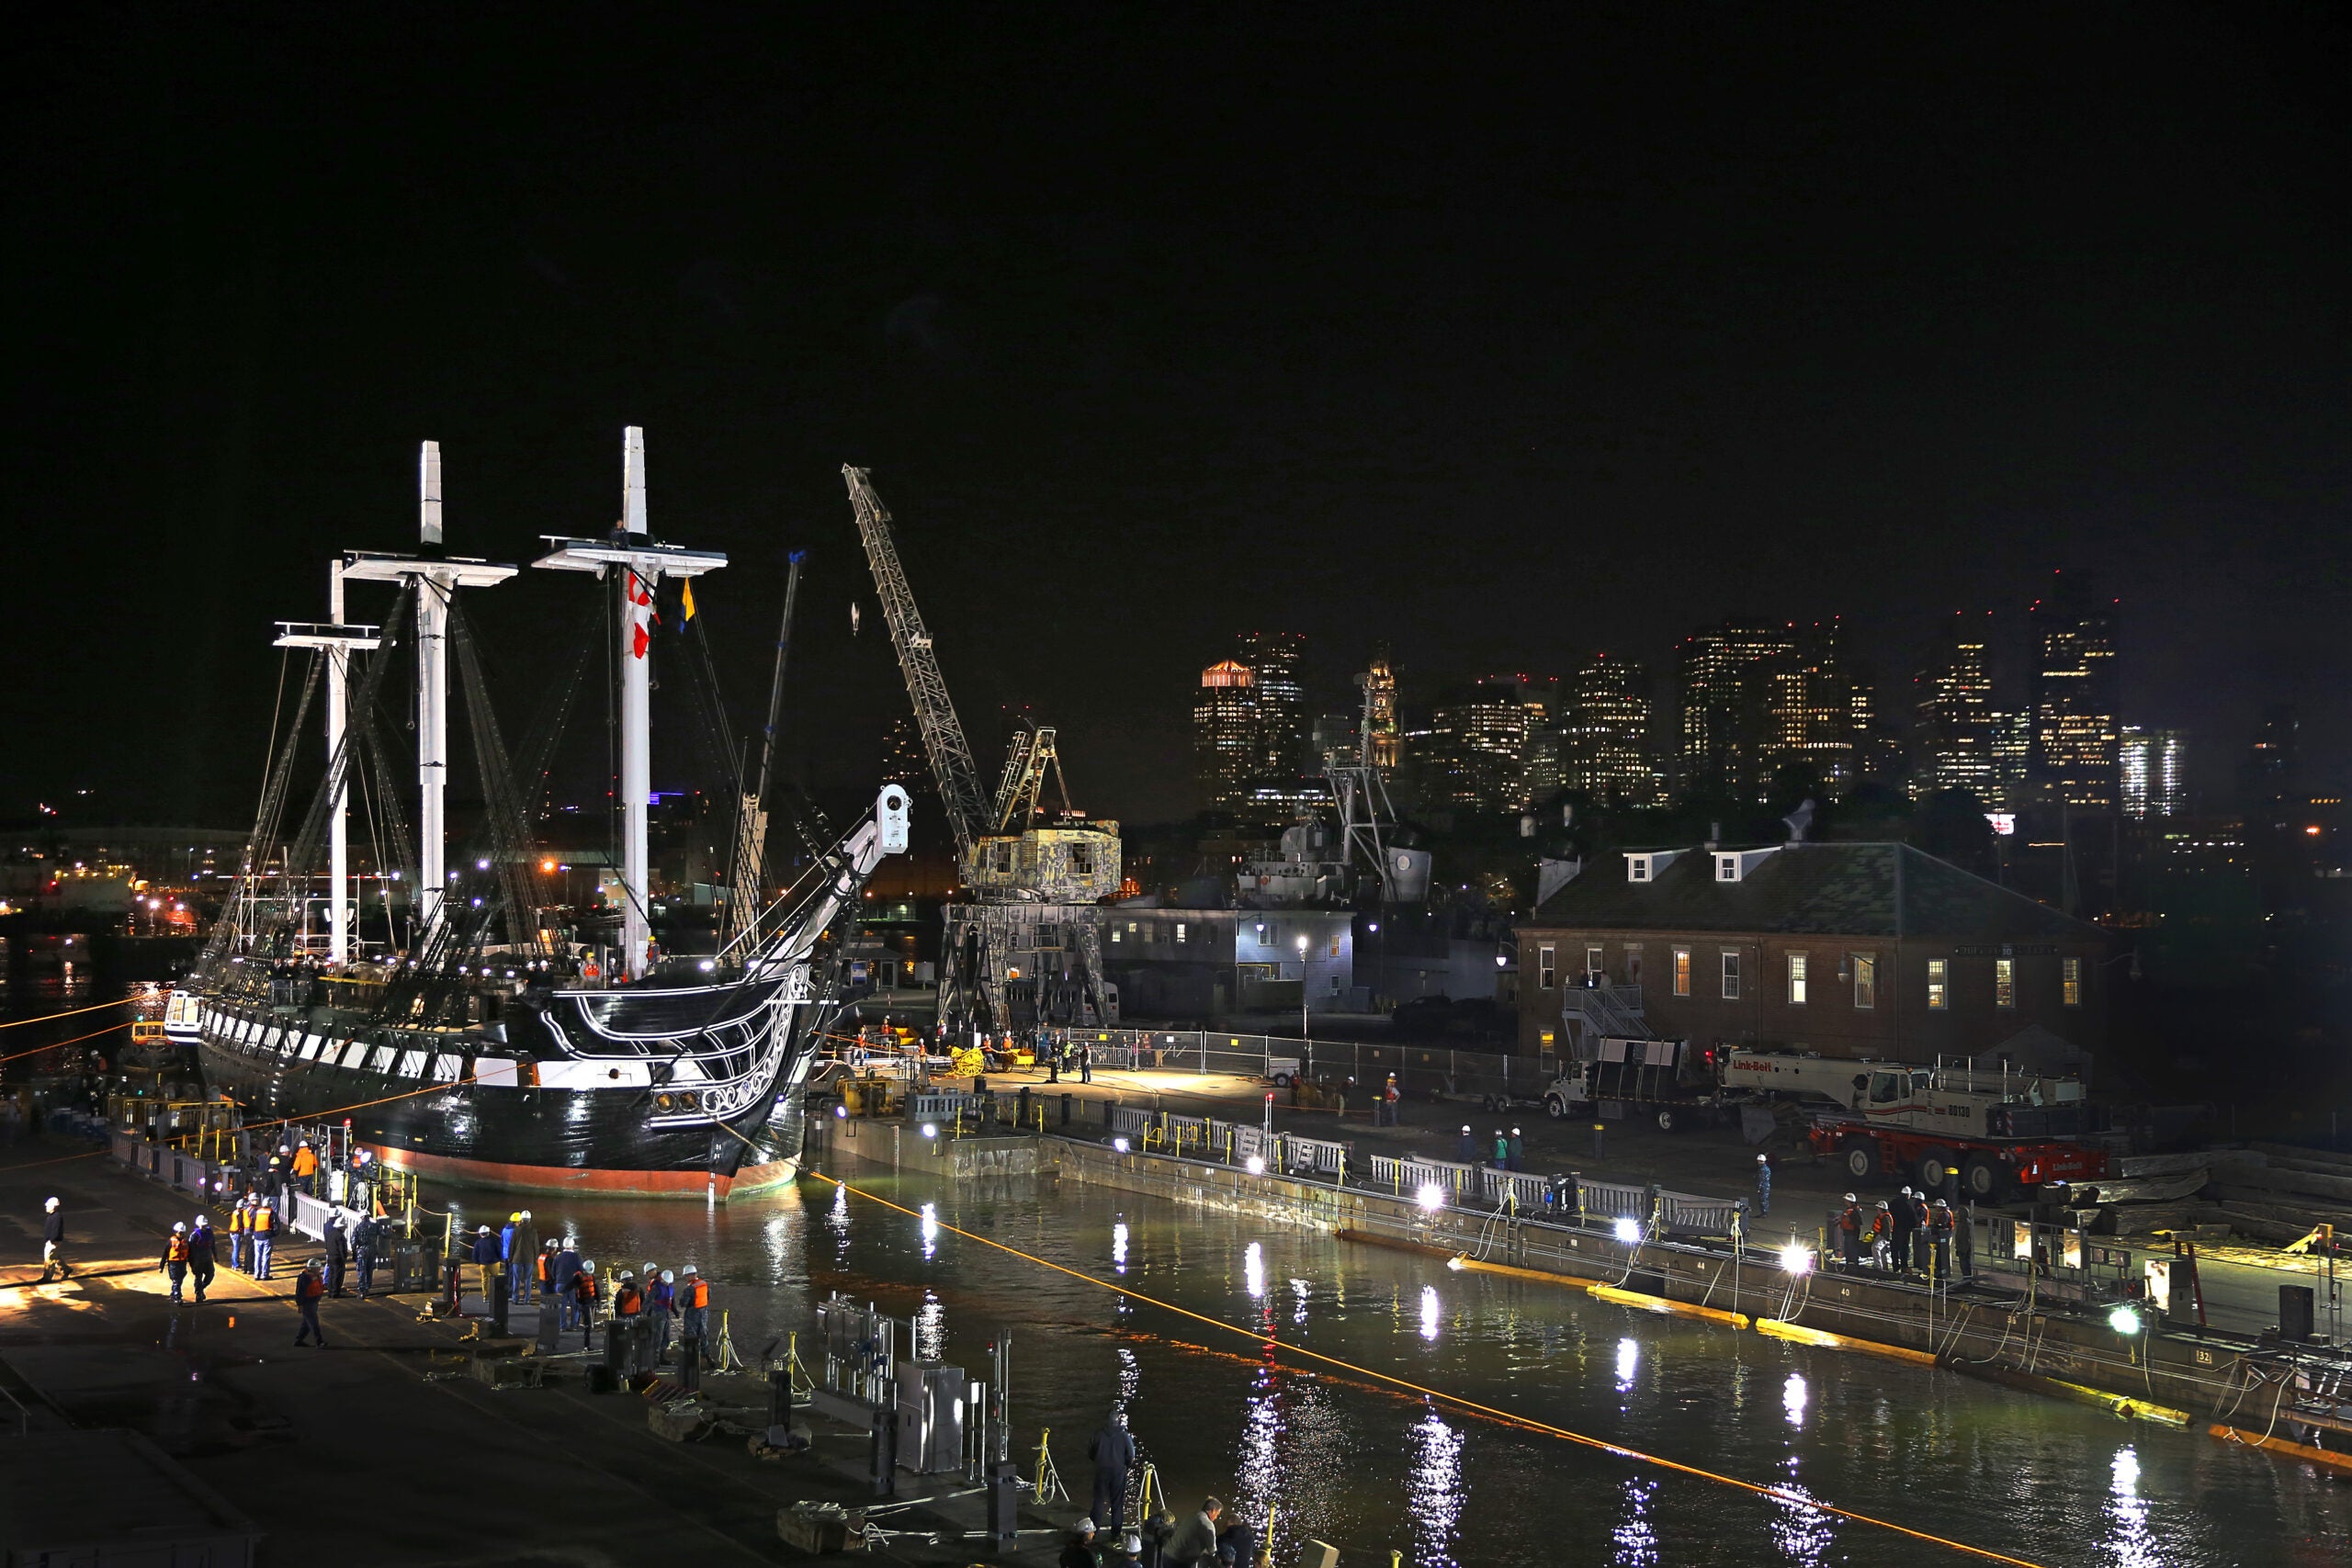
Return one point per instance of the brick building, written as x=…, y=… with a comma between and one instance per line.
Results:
x=1850, y=950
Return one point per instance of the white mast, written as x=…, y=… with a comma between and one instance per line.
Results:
x=639, y=565
x=337, y=640
x=435, y=577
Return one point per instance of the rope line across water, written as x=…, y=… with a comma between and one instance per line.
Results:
x=1778, y=1493
x=68, y=1012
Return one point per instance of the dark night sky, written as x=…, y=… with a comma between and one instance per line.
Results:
x=1501, y=340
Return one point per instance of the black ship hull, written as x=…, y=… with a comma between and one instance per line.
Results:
x=637, y=1092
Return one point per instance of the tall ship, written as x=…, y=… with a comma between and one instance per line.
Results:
x=492, y=1036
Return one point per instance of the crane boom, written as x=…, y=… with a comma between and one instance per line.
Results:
x=952, y=766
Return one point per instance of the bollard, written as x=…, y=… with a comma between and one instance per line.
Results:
x=1067, y=1107
x=1020, y=1113
x=497, y=1301
x=779, y=1405
x=882, y=1458
x=1004, y=1505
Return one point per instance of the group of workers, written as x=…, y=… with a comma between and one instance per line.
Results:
x=1102, y=1539
x=1908, y=1235
x=1509, y=1153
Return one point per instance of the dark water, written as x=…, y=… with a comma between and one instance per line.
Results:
x=45, y=973
x=1370, y=1468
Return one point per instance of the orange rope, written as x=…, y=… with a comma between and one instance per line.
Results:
x=68, y=1012
x=1778, y=1493
x=60, y=1044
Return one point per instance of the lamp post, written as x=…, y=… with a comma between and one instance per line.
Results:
x=1302, y=991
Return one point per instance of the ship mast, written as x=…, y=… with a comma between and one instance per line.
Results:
x=637, y=564
x=435, y=578
x=338, y=640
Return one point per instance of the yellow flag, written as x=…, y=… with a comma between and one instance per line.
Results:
x=689, y=600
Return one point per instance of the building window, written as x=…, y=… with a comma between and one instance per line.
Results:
x=1796, y=980
x=1638, y=868
x=1939, y=985
x=1592, y=964
x=1116, y=933
x=1180, y=931
x=2070, y=982
x=1681, y=971
x=2005, y=981
x=1865, y=980
x=1546, y=967
x=1726, y=868
x=1731, y=976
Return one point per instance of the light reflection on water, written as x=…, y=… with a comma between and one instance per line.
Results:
x=1436, y=1491
x=1805, y=1535
x=1429, y=1309
x=930, y=1230
x=1792, y=1398
x=1629, y=1359
x=1634, y=1538
x=2129, y=1543
x=1253, y=1271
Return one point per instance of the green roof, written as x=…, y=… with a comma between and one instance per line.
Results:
x=1886, y=890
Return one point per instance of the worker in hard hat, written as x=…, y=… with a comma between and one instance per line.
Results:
x=174, y=1263
x=1079, y=1551
x=1940, y=1229
x=306, y=1170
x=1882, y=1235
x=485, y=1261
x=1763, y=1185
x=309, y=1286
x=662, y=1309
x=52, y=1242
x=1467, y=1151
x=523, y=1258
x=1849, y=1231
x=200, y=1262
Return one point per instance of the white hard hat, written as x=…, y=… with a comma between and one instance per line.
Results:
x=50, y=1204
x=688, y=1269
x=1086, y=1527
x=1514, y=1132
x=589, y=1264
x=1759, y=1159
x=668, y=1277
x=1132, y=1545
x=628, y=1274
x=483, y=1231
x=178, y=1225
x=1850, y=1198
x=1907, y=1192
x=1466, y=1127
x=202, y=1220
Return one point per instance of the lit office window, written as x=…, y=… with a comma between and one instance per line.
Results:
x=2070, y=982
x=1865, y=980
x=1939, y=985
x=1796, y=980
x=1681, y=971
x=2005, y=981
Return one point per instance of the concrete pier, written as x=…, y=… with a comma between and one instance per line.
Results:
x=388, y=1448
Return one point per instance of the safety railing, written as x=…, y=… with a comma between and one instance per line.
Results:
x=1613, y=1200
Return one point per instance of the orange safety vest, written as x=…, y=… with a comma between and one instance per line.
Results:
x=305, y=1163
x=175, y=1249
x=240, y=1219
x=543, y=1268
x=587, y=1286
x=698, y=1293
x=630, y=1302
x=264, y=1220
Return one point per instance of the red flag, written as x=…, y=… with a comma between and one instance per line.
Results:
x=638, y=639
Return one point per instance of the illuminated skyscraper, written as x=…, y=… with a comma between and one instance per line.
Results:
x=1475, y=758
x=1380, y=688
x=1272, y=659
x=1729, y=687
x=2149, y=766
x=2075, y=728
x=1605, y=733
x=1225, y=735
x=1952, y=697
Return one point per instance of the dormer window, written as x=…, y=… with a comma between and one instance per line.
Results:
x=1733, y=865
x=1648, y=865
x=1726, y=868
x=1638, y=868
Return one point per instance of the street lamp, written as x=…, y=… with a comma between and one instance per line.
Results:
x=1302, y=991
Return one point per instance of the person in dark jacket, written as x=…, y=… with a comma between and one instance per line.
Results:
x=1899, y=1246
x=52, y=1243
x=1237, y=1545
x=485, y=1256
x=369, y=1244
x=309, y=1286
x=1920, y=1221
x=565, y=1264
x=1113, y=1452
x=338, y=1241
x=1466, y=1150
x=661, y=1307
x=1963, y=1240
x=200, y=1260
